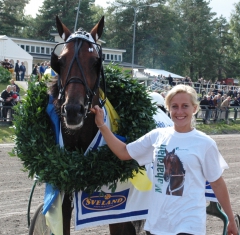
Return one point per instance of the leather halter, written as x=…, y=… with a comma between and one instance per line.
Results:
x=78, y=38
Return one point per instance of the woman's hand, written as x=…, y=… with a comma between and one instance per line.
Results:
x=99, y=115
x=232, y=228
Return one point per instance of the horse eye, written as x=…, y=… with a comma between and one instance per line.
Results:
x=97, y=63
x=61, y=62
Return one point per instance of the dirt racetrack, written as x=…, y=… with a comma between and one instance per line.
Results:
x=15, y=189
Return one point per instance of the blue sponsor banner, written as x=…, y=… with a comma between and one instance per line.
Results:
x=108, y=201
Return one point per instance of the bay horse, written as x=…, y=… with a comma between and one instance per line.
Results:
x=174, y=174
x=78, y=63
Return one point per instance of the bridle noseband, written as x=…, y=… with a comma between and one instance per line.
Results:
x=78, y=38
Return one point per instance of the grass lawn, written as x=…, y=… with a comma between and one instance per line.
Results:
x=6, y=133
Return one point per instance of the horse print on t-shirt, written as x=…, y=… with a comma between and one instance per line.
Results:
x=174, y=174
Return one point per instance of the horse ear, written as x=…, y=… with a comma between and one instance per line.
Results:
x=166, y=151
x=97, y=30
x=173, y=151
x=63, y=31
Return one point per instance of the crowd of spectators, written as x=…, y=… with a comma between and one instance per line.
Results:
x=7, y=64
x=217, y=96
x=40, y=68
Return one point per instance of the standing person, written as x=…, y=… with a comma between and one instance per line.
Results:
x=35, y=71
x=225, y=104
x=14, y=84
x=170, y=80
x=15, y=95
x=41, y=69
x=183, y=210
x=17, y=70
x=22, y=71
x=6, y=95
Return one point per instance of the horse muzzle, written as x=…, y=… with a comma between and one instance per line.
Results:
x=74, y=115
x=166, y=177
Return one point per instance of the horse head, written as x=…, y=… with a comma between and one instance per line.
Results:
x=78, y=63
x=173, y=165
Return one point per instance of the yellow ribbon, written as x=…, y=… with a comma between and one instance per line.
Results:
x=141, y=181
x=113, y=116
x=54, y=218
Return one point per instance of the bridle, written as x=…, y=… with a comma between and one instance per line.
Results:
x=179, y=187
x=78, y=38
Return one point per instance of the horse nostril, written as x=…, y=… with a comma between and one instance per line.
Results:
x=63, y=111
x=81, y=110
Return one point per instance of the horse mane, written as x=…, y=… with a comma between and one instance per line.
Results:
x=54, y=92
x=180, y=165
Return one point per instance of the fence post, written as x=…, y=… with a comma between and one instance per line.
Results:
x=235, y=114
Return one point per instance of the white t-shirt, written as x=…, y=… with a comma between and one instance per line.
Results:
x=194, y=159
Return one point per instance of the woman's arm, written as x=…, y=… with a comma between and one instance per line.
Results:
x=220, y=189
x=117, y=146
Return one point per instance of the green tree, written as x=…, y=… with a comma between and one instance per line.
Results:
x=198, y=25
x=11, y=16
x=222, y=65
x=30, y=28
x=234, y=48
x=45, y=20
x=154, y=32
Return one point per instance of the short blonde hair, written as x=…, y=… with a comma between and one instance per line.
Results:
x=182, y=89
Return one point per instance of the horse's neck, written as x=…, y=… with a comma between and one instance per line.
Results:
x=176, y=181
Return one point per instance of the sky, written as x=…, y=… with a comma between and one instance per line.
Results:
x=221, y=7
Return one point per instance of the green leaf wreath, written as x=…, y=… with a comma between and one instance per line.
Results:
x=70, y=171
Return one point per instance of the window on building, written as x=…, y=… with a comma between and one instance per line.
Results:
x=112, y=57
x=47, y=50
x=119, y=58
x=108, y=58
x=42, y=50
x=22, y=46
x=115, y=57
x=32, y=48
x=37, y=49
x=27, y=48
